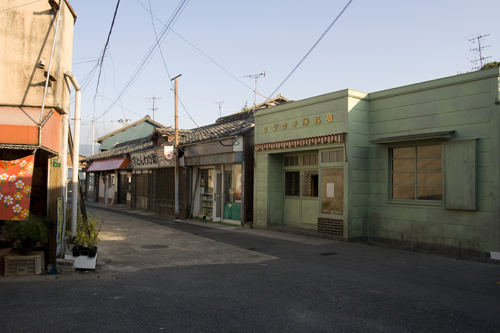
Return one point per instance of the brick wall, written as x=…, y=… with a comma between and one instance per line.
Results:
x=330, y=226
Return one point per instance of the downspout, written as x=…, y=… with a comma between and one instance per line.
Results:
x=48, y=73
x=76, y=150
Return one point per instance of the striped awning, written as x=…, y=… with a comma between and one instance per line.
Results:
x=109, y=164
x=311, y=141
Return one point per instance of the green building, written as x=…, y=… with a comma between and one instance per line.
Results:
x=416, y=165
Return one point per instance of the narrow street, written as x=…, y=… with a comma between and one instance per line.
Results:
x=155, y=274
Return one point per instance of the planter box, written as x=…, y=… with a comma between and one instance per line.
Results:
x=3, y=253
x=16, y=264
x=83, y=262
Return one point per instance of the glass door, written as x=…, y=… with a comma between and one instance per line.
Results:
x=217, y=195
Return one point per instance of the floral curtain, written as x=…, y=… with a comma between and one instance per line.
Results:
x=15, y=188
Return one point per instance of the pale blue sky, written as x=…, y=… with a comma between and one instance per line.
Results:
x=375, y=45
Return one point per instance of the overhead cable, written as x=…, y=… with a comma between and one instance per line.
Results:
x=312, y=48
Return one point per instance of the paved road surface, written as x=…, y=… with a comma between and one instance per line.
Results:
x=228, y=279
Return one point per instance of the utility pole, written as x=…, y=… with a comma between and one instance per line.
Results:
x=153, y=108
x=478, y=49
x=256, y=76
x=176, y=147
x=220, y=114
x=93, y=130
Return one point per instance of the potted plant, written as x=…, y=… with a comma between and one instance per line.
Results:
x=85, y=241
x=86, y=238
x=94, y=227
x=29, y=232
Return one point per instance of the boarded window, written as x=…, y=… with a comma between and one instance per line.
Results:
x=332, y=156
x=165, y=184
x=417, y=173
x=460, y=175
x=291, y=161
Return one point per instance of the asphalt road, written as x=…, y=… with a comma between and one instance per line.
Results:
x=227, y=279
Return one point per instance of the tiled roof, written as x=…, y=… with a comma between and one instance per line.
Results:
x=170, y=131
x=122, y=149
x=278, y=100
x=216, y=131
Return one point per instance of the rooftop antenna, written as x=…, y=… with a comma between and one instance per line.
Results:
x=220, y=114
x=153, y=108
x=256, y=76
x=478, y=49
x=124, y=122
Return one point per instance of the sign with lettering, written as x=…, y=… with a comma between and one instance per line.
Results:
x=144, y=160
x=60, y=219
x=168, y=152
x=316, y=120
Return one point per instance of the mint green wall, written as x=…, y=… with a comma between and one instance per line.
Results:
x=135, y=132
x=465, y=104
x=268, y=196
x=357, y=169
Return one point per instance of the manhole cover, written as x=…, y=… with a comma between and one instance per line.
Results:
x=328, y=254
x=154, y=247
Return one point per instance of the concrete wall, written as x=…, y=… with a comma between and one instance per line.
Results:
x=26, y=37
x=464, y=104
x=356, y=169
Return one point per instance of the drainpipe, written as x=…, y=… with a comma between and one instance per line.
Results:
x=76, y=150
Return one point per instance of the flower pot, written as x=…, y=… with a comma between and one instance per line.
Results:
x=92, y=252
x=84, y=251
x=76, y=251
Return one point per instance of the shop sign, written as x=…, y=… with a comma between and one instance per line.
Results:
x=162, y=159
x=60, y=219
x=144, y=160
x=168, y=152
x=316, y=120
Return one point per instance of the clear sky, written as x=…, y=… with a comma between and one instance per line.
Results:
x=374, y=45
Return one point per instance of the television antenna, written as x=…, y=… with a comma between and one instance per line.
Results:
x=256, y=76
x=220, y=114
x=478, y=49
x=153, y=108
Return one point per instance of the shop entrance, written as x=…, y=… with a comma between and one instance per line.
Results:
x=217, y=195
x=122, y=188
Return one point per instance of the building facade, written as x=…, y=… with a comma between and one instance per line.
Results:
x=35, y=99
x=416, y=165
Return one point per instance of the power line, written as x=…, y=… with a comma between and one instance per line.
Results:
x=312, y=48
x=106, y=46
x=165, y=64
x=206, y=55
x=150, y=52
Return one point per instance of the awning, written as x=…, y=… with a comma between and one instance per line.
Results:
x=19, y=127
x=109, y=164
x=437, y=136
x=310, y=141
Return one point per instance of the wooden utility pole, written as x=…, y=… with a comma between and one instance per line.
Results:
x=176, y=148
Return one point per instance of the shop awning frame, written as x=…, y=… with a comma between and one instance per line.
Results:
x=109, y=164
x=310, y=141
x=437, y=136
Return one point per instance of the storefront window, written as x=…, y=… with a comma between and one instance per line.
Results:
x=332, y=156
x=417, y=173
x=232, y=192
x=332, y=186
x=292, y=183
x=310, y=183
x=90, y=183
